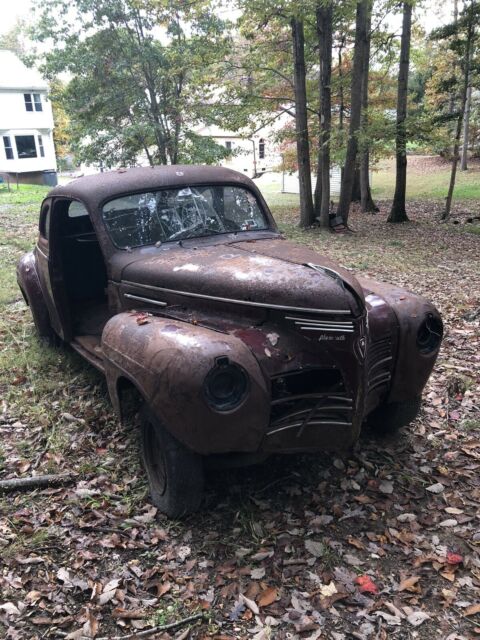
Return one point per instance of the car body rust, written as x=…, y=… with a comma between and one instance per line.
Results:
x=313, y=350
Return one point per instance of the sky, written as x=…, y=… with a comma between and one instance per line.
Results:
x=437, y=12
x=10, y=11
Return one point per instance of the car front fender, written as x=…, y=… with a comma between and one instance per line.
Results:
x=412, y=367
x=168, y=360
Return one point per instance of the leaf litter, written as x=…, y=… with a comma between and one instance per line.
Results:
x=382, y=542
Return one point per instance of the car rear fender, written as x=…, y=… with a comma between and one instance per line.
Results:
x=29, y=283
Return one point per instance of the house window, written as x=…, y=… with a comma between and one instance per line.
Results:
x=261, y=149
x=228, y=144
x=25, y=147
x=7, y=143
x=40, y=146
x=37, y=101
x=33, y=100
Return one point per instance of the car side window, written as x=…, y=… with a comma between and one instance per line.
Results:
x=45, y=221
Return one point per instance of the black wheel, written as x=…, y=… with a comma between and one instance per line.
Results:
x=175, y=474
x=389, y=418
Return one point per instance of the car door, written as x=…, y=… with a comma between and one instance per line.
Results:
x=49, y=274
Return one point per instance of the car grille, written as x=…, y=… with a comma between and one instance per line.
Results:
x=379, y=364
x=311, y=398
x=327, y=324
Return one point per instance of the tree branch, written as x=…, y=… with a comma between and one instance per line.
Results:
x=163, y=627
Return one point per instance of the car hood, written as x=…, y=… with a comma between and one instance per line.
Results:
x=266, y=271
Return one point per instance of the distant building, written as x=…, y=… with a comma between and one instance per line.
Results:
x=252, y=153
x=27, y=152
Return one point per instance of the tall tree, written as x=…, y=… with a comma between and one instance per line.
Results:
x=366, y=200
x=307, y=213
x=355, y=111
x=324, y=20
x=132, y=89
x=398, y=212
x=466, y=130
x=462, y=35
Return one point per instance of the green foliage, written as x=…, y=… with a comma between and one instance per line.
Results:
x=143, y=74
x=448, y=46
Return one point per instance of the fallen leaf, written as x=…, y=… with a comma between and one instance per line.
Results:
x=417, y=618
x=262, y=555
x=366, y=585
x=454, y=558
x=436, y=488
x=451, y=522
x=328, y=590
x=267, y=597
x=386, y=487
x=472, y=609
x=250, y=604
x=353, y=560
x=315, y=548
x=409, y=584
x=128, y=614
x=257, y=574
x=10, y=609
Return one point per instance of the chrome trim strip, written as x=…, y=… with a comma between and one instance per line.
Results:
x=148, y=300
x=310, y=396
x=318, y=413
x=298, y=319
x=380, y=362
x=263, y=305
x=310, y=328
x=378, y=384
x=313, y=422
x=325, y=323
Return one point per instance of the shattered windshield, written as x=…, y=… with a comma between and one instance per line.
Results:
x=177, y=214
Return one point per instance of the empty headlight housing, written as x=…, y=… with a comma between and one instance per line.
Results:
x=429, y=334
x=226, y=385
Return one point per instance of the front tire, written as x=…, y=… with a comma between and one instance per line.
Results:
x=389, y=418
x=175, y=474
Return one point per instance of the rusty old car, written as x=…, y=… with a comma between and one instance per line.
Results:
x=229, y=341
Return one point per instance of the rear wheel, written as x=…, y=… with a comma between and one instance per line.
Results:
x=389, y=418
x=175, y=474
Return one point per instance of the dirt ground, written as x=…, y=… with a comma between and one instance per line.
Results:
x=381, y=543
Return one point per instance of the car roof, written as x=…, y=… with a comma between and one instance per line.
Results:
x=100, y=187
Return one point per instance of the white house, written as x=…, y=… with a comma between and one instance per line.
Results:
x=252, y=153
x=27, y=152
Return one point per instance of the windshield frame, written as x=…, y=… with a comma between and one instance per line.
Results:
x=271, y=226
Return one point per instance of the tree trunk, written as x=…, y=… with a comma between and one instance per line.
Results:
x=366, y=200
x=355, y=112
x=461, y=116
x=398, y=212
x=356, y=193
x=307, y=214
x=325, y=42
x=341, y=100
x=466, y=132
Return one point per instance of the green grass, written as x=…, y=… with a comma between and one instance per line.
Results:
x=424, y=182
x=431, y=185
x=25, y=194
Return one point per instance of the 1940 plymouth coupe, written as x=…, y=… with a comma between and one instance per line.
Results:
x=229, y=341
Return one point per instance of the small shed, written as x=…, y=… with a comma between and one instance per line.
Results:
x=290, y=183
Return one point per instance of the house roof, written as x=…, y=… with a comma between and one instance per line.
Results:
x=15, y=75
